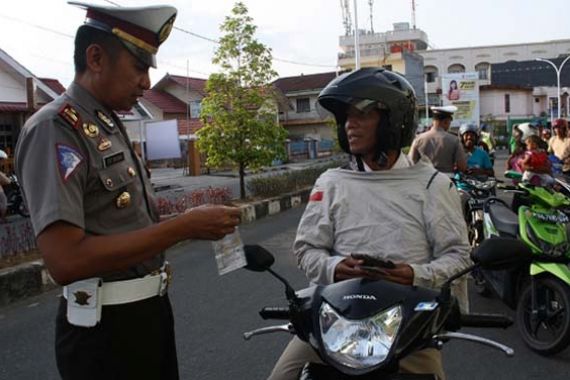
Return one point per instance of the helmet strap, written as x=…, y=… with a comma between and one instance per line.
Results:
x=359, y=163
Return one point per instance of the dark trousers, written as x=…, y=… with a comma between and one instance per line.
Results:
x=132, y=341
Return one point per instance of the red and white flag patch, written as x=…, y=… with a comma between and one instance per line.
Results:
x=316, y=196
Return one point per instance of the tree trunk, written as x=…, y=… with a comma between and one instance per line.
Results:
x=241, y=180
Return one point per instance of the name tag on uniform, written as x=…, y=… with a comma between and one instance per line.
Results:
x=113, y=159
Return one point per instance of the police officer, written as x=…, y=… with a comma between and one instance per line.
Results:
x=442, y=148
x=93, y=209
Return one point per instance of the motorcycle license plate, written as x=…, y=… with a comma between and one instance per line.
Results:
x=551, y=218
x=476, y=202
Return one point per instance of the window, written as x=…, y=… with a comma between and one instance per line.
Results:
x=6, y=136
x=483, y=70
x=430, y=73
x=507, y=103
x=303, y=105
x=195, y=108
x=456, y=68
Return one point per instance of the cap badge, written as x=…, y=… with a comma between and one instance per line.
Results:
x=104, y=144
x=71, y=116
x=105, y=119
x=90, y=129
x=166, y=29
x=123, y=200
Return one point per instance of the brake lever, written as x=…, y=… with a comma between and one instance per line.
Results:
x=477, y=339
x=269, y=330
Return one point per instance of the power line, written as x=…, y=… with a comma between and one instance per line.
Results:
x=217, y=42
x=36, y=26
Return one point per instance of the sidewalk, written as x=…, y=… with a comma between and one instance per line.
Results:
x=173, y=180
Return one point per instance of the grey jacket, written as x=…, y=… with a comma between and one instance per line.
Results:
x=410, y=215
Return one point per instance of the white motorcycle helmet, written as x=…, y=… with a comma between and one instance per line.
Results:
x=527, y=130
x=3, y=155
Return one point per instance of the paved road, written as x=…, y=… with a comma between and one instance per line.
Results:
x=213, y=311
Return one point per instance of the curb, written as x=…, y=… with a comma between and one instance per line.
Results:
x=30, y=279
x=23, y=281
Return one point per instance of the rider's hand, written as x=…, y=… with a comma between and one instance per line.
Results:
x=349, y=268
x=402, y=274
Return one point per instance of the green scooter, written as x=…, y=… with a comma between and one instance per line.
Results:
x=540, y=289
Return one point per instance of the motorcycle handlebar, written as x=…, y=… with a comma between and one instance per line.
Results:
x=275, y=313
x=486, y=320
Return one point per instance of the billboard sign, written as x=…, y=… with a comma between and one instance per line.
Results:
x=462, y=90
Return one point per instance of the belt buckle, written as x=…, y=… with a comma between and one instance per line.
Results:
x=165, y=279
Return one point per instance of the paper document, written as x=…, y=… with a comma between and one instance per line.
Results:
x=229, y=253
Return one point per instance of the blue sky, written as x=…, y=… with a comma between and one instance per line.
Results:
x=38, y=33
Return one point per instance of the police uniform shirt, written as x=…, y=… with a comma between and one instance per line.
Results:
x=441, y=147
x=76, y=165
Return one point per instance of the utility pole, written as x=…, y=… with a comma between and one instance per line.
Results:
x=414, y=13
x=371, y=4
x=356, y=39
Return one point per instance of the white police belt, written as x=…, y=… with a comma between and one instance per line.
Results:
x=85, y=298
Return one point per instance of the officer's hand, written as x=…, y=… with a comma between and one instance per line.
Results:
x=348, y=268
x=211, y=222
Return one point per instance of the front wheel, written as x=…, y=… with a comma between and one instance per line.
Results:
x=545, y=328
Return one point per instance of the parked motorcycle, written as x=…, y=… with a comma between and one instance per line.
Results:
x=361, y=329
x=539, y=290
x=16, y=204
x=474, y=191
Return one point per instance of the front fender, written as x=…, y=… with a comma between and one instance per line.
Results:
x=556, y=269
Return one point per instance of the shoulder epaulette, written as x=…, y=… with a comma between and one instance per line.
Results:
x=70, y=115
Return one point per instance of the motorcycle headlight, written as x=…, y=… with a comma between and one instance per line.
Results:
x=359, y=343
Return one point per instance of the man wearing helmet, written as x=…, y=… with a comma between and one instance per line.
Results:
x=478, y=161
x=441, y=147
x=380, y=204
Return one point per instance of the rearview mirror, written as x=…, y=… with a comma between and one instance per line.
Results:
x=258, y=258
x=501, y=253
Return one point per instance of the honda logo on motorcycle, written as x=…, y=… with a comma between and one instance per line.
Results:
x=364, y=297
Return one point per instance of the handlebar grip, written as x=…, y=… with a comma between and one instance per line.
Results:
x=486, y=320
x=275, y=313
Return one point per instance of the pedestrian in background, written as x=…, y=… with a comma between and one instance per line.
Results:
x=559, y=144
x=93, y=209
x=441, y=147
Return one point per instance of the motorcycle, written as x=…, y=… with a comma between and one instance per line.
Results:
x=474, y=190
x=16, y=204
x=361, y=328
x=539, y=290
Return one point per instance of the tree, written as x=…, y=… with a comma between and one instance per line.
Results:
x=239, y=111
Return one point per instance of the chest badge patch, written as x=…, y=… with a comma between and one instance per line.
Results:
x=104, y=144
x=105, y=119
x=90, y=130
x=68, y=160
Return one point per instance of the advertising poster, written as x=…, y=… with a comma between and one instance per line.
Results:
x=462, y=90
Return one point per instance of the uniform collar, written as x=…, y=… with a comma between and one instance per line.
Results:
x=84, y=99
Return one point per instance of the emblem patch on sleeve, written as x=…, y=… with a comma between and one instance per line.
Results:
x=68, y=160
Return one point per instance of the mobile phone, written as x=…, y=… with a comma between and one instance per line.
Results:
x=371, y=262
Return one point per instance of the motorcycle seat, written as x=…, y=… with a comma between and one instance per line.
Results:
x=504, y=219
